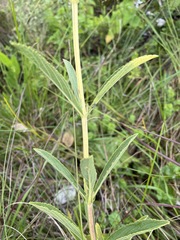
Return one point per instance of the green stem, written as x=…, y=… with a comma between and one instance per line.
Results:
x=11, y=4
x=151, y=169
x=83, y=104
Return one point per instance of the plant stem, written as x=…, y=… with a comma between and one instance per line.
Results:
x=91, y=221
x=83, y=104
x=79, y=78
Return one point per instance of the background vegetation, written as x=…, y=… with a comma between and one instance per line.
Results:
x=145, y=102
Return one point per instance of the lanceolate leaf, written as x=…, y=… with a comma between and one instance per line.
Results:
x=51, y=73
x=112, y=162
x=89, y=174
x=127, y=232
x=99, y=232
x=59, y=216
x=72, y=77
x=119, y=74
x=56, y=164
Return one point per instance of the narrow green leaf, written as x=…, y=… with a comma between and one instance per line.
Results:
x=59, y=216
x=99, y=234
x=56, y=164
x=139, y=227
x=72, y=77
x=89, y=174
x=116, y=156
x=51, y=73
x=118, y=75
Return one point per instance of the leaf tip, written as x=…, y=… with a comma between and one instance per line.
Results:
x=37, y=150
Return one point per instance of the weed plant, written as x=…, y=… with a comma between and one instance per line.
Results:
x=99, y=146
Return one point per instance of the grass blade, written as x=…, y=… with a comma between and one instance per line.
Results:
x=112, y=162
x=119, y=74
x=58, y=215
x=55, y=163
x=51, y=73
x=127, y=232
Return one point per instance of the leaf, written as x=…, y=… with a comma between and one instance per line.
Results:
x=72, y=77
x=139, y=227
x=55, y=163
x=99, y=232
x=5, y=60
x=109, y=38
x=118, y=75
x=89, y=174
x=116, y=156
x=51, y=73
x=58, y=215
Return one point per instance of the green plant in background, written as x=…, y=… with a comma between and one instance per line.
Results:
x=11, y=70
x=74, y=94
x=171, y=105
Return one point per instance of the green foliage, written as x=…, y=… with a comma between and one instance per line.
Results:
x=72, y=77
x=114, y=219
x=127, y=232
x=170, y=170
x=51, y=73
x=90, y=176
x=60, y=168
x=11, y=72
x=112, y=162
x=99, y=232
x=127, y=13
x=109, y=125
x=58, y=215
x=171, y=104
x=88, y=170
x=147, y=98
x=162, y=184
x=132, y=118
x=118, y=75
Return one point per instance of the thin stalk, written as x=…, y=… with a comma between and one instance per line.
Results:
x=79, y=77
x=151, y=169
x=15, y=20
x=83, y=104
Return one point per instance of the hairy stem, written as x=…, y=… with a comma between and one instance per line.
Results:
x=91, y=221
x=79, y=78
x=84, y=110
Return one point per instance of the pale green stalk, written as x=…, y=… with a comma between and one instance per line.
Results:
x=79, y=77
x=83, y=104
